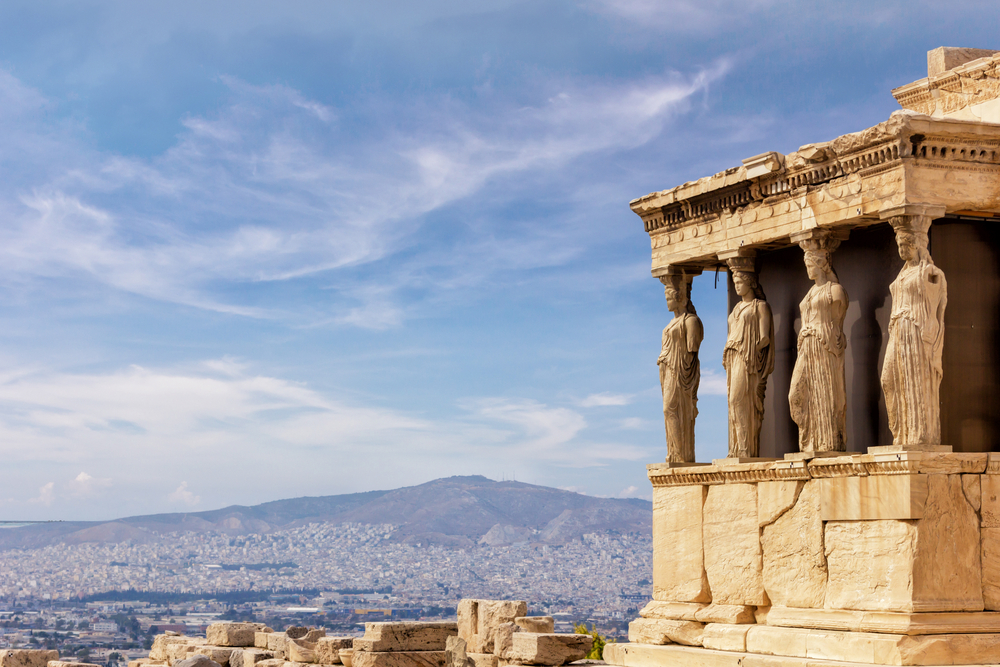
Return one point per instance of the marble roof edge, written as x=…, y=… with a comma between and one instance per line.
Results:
x=900, y=125
x=971, y=67
x=737, y=174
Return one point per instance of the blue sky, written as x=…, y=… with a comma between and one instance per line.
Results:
x=252, y=251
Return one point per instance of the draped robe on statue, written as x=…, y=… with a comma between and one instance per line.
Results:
x=680, y=374
x=817, y=397
x=911, y=374
x=747, y=368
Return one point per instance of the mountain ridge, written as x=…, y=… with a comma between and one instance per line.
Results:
x=459, y=511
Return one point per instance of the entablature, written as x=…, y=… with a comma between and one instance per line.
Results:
x=848, y=182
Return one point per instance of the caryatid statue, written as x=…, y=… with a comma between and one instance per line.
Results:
x=680, y=372
x=911, y=374
x=817, y=396
x=748, y=359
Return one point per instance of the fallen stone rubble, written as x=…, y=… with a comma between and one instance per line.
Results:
x=489, y=633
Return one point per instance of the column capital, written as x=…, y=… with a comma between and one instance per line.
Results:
x=929, y=211
x=737, y=253
x=687, y=271
x=820, y=238
x=746, y=264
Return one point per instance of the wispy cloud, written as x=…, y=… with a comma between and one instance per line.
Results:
x=274, y=186
x=713, y=383
x=184, y=496
x=46, y=494
x=219, y=415
x=605, y=399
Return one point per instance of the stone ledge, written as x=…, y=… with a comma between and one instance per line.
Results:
x=847, y=465
x=886, y=622
x=673, y=655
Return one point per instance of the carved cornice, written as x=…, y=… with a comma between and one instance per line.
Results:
x=957, y=88
x=841, y=183
x=849, y=465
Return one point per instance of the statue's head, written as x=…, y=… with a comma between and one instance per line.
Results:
x=912, y=240
x=745, y=282
x=677, y=290
x=818, y=262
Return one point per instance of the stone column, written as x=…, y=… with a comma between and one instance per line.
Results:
x=911, y=373
x=680, y=371
x=817, y=396
x=748, y=356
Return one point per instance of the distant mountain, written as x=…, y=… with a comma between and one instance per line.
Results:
x=454, y=511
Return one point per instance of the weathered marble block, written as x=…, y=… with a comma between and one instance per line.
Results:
x=404, y=636
x=530, y=648
x=665, y=631
x=398, y=659
x=232, y=634
x=930, y=564
x=794, y=563
x=678, y=542
x=732, y=545
x=328, y=648
x=26, y=657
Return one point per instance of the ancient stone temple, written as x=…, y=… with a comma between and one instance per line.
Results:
x=857, y=516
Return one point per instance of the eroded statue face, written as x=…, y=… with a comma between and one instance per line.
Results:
x=673, y=299
x=907, y=247
x=741, y=284
x=813, y=271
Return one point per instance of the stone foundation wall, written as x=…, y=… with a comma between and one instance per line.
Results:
x=882, y=558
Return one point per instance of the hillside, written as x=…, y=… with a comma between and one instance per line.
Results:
x=454, y=511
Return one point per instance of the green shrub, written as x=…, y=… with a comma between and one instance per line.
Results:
x=597, y=652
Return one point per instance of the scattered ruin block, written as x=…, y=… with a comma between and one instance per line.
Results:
x=531, y=648
x=304, y=633
x=158, y=651
x=479, y=619
x=24, y=657
x=406, y=636
x=176, y=652
x=455, y=653
x=398, y=659
x=328, y=649
x=219, y=654
x=232, y=634
x=483, y=659
x=276, y=642
x=260, y=639
x=301, y=651
x=198, y=660
x=146, y=662
x=63, y=663
x=249, y=657
x=543, y=624
x=347, y=657
x=272, y=662
x=503, y=639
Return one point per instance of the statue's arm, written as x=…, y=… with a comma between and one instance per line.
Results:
x=695, y=334
x=840, y=300
x=763, y=324
x=942, y=301
x=663, y=353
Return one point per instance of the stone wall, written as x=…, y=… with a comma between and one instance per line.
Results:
x=882, y=558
